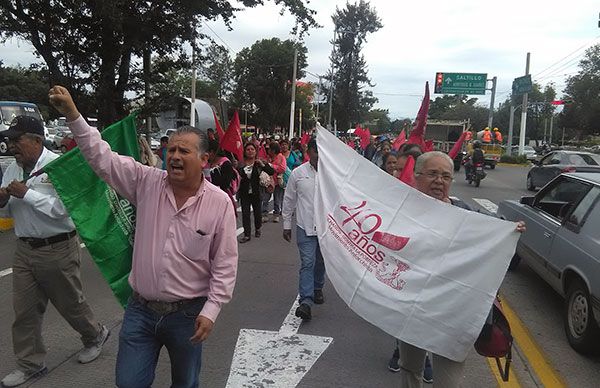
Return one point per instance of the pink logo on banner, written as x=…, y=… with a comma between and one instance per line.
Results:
x=358, y=232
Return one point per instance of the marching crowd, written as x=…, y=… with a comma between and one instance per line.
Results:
x=185, y=254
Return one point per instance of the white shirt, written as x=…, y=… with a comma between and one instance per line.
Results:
x=40, y=213
x=300, y=196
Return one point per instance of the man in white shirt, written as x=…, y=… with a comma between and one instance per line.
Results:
x=299, y=197
x=47, y=258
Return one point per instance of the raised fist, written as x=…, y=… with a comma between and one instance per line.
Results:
x=61, y=99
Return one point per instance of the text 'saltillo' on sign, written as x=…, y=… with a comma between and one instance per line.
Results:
x=460, y=83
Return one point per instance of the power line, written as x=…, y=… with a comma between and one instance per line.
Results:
x=566, y=56
x=221, y=39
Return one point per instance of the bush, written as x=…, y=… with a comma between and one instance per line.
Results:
x=514, y=159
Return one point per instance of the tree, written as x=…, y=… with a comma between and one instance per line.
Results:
x=583, y=89
x=92, y=43
x=379, y=120
x=263, y=74
x=216, y=70
x=459, y=107
x=351, y=102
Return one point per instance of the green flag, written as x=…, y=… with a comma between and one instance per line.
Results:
x=105, y=221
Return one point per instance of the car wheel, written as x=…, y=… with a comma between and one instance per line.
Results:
x=63, y=149
x=492, y=166
x=3, y=148
x=581, y=327
x=530, y=185
x=514, y=262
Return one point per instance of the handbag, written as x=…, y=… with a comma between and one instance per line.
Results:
x=495, y=340
x=266, y=181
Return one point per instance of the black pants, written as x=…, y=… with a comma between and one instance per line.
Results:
x=254, y=200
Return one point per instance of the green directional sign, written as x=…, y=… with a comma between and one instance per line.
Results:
x=460, y=83
x=522, y=85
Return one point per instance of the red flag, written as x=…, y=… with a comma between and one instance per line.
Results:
x=262, y=153
x=400, y=140
x=408, y=172
x=458, y=145
x=358, y=131
x=305, y=138
x=232, y=139
x=417, y=135
x=428, y=146
x=220, y=132
x=365, y=138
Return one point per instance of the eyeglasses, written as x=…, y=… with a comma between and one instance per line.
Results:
x=433, y=175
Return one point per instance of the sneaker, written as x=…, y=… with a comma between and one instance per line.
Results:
x=89, y=354
x=257, y=233
x=244, y=239
x=428, y=372
x=394, y=363
x=18, y=377
x=265, y=219
x=303, y=311
x=275, y=218
x=319, y=298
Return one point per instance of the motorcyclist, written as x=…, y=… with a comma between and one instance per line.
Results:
x=474, y=157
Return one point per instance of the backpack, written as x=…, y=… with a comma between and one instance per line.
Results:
x=235, y=183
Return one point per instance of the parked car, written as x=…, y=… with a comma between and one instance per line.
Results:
x=556, y=162
x=59, y=136
x=528, y=151
x=561, y=245
x=67, y=143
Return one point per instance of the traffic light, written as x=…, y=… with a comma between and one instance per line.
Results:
x=439, y=82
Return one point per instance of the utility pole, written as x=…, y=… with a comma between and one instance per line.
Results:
x=331, y=84
x=293, y=107
x=524, y=113
x=551, y=124
x=319, y=95
x=511, y=123
x=147, y=69
x=300, y=122
x=491, y=115
x=193, y=96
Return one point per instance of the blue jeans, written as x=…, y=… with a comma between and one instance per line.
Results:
x=312, y=267
x=278, y=200
x=143, y=334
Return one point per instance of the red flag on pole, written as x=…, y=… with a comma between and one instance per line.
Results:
x=399, y=141
x=458, y=145
x=408, y=172
x=365, y=138
x=232, y=139
x=262, y=153
x=220, y=131
x=428, y=146
x=417, y=135
x=305, y=138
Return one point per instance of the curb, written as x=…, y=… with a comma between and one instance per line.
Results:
x=6, y=224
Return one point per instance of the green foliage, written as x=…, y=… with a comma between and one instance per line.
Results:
x=583, y=88
x=87, y=43
x=351, y=102
x=379, y=121
x=514, y=159
x=263, y=74
x=459, y=107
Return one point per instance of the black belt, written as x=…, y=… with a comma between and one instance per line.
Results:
x=42, y=242
x=164, y=308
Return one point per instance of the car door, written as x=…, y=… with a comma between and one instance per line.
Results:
x=574, y=246
x=536, y=171
x=543, y=220
x=549, y=169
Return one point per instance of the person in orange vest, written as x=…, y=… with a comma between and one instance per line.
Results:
x=497, y=136
x=487, y=135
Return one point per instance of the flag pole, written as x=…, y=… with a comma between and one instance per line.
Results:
x=293, y=107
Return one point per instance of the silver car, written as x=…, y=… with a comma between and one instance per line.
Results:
x=562, y=245
x=556, y=162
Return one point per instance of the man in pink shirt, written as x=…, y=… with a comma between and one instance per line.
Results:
x=185, y=252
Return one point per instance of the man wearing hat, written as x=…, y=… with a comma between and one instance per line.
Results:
x=47, y=264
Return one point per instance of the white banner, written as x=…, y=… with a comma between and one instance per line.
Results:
x=422, y=270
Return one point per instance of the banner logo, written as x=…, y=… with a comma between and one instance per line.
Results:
x=357, y=230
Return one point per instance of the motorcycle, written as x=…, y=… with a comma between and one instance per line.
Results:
x=476, y=174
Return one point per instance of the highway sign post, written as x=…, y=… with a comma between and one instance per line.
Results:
x=460, y=83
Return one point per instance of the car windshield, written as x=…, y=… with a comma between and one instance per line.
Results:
x=9, y=112
x=584, y=159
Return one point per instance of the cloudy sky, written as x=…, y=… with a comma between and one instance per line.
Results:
x=420, y=38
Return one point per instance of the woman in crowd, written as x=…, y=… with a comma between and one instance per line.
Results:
x=250, y=190
x=384, y=150
x=279, y=164
x=221, y=171
x=389, y=164
x=291, y=158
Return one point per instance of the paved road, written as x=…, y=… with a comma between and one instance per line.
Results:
x=266, y=288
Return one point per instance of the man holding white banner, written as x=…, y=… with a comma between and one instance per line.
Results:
x=419, y=269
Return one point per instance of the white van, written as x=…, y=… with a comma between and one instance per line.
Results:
x=11, y=109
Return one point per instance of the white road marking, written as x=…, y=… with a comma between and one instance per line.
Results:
x=5, y=272
x=275, y=359
x=487, y=204
x=82, y=245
